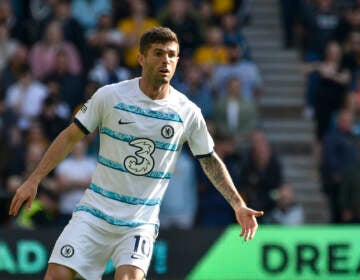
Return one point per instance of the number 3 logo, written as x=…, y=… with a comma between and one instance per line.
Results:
x=145, y=164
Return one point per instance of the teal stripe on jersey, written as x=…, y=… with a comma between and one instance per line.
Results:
x=125, y=198
x=111, y=220
x=112, y=164
x=117, y=135
x=148, y=113
x=128, y=138
x=118, y=166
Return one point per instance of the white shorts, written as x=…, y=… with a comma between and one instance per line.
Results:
x=86, y=247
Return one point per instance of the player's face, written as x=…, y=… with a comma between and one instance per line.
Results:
x=159, y=62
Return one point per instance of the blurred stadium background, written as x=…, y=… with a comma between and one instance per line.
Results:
x=293, y=152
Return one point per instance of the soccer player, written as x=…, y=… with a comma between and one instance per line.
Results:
x=143, y=124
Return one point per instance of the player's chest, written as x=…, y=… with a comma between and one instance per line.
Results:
x=144, y=122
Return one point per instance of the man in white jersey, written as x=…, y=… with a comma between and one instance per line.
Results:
x=143, y=124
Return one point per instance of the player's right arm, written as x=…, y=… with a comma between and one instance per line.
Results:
x=58, y=150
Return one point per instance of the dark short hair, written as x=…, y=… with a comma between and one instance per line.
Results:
x=157, y=34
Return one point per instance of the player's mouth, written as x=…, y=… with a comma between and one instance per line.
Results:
x=164, y=71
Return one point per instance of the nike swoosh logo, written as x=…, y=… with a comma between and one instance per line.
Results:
x=136, y=257
x=122, y=122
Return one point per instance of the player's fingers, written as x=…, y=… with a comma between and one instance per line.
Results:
x=242, y=232
x=252, y=235
x=28, y=204
x=12, y=205
x=247, y=235
x=16, y=205
x=257, y=213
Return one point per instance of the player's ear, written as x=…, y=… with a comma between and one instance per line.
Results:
x=140, y=58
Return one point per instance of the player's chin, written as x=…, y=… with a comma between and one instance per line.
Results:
x=164, y=79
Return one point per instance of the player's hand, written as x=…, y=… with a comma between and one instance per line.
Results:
x=25, y=193
x=246, y=217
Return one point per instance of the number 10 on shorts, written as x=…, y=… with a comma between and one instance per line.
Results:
x=142, y=247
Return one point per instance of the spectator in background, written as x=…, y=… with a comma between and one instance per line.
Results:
x=333, y=80
x=333, y=83
x=351, y=59
x=349, y=21
x=73, y=176
x=246, y=71
x=197, y=89
x=41, y=10
x=71, y=28
x=7, y=126
x=33, y=153
x=7, y=45
x=121, y=9
x=213, y=52
x=320, y=20
x=287, y=211
x=352, y=103
x=52, y=123
x=205, y=14
x=179, y=205
x=261, y=172
x=108, y=69
x=70, y=85
x=232, y=34
x=25, y=98
x=133, y=26
x=239, y=8
x=61, y=107
x=43, y=53
x=180, y=17
x=16, y=28
x=88, y=11
x=12, y=71
x=233, y=114
x=36, y=135
x=103, y=35
x=38, y=14
x=349, y=195
x=319, y=23
x=340, y=152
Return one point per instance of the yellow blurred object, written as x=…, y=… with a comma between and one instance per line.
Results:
x=221, y=7
x=211, y=55
x=133, y=30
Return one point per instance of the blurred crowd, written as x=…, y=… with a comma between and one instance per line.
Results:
x=54, y=54
x=327, y=33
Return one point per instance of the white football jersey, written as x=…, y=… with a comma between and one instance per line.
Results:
x=140, y=141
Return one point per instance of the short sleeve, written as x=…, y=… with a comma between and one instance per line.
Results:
x=200, y=141
x=89, y=117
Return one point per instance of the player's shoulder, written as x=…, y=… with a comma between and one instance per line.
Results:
x=115, y=89
x=118, y=86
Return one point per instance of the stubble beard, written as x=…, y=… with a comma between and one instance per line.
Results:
x=160, y=81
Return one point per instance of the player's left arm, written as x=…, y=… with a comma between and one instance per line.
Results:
x=218, y=174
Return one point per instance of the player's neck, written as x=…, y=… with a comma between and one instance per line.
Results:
x=153, y=91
